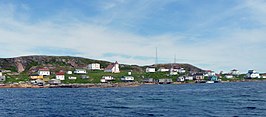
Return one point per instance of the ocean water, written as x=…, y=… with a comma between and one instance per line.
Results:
x=221, y=99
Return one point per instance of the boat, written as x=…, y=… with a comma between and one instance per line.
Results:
x=209, y=82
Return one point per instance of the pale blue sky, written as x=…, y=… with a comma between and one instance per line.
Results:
x=211, y=34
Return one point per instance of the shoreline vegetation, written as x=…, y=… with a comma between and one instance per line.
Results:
x=109, y=85
x=77, y=72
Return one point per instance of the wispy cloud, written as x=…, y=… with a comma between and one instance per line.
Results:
x=230, y=35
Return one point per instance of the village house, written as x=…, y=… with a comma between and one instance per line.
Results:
x=127, y=79
x=2, y=78
x=150, y=69
x=35, y=77
x=199, y=76
x=94, y=66
x=252, y=74
x=162, y=69
x=60, y=76
x=165, y=81
x=105, y=79
x=54, y=82
x=189, y=78
x=108, y=78
x=263, y=75
x=180, y=79
x=173, y=71
x=181, y=70
x=209, y=73
x=213, y=78
x=235, y=72
x=69, y=72
x=84, y=77
x=113, y=68
x=148, y=80
x=80, y=71
x=72, y=78
x=38, y=82
x=228, y=76
x=44, y=72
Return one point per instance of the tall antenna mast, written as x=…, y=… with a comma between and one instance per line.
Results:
x=175, y=59
x=156, y=57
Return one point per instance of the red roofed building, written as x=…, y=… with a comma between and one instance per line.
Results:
x=60, y=76
x=113, y=67
x=44, y=72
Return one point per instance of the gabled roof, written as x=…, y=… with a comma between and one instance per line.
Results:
x=150, y=67
x=263, y=74
x=197, y=74
x=60, y=73
x=110, y=66
x=43, y=69
x=208, y=71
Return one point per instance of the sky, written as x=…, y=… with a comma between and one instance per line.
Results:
x=220, y=35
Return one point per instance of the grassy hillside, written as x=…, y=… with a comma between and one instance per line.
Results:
x=23, y=67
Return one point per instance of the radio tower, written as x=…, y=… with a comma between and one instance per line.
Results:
x=156, y=57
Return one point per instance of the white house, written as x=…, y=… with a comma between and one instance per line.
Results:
x=162, y=69
x=209, y=73
x=180, y=79
x=228, y=76
x=69, y=72
x=72, y=78
x=252, y=74
x=44, y=72
x=108, y=78
x=148, y=80
x=113, y=68
x=263, y=75
x=103, y=81
x=127, y=78
x=80, y=71
x=235, y=72
x=94, y=66
x=173, y=71
x=199, y=76
x=54, y=81
x=60, y=76
x=181, y=70
x=150, y=69
x=2, y=78
x=189, y=78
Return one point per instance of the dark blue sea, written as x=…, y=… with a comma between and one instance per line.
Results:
x=221, y=99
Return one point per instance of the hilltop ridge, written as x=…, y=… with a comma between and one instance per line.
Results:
x=27, y=63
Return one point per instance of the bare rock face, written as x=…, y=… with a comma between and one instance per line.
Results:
x=73, y=63
x=20, y=67
x=31, y=64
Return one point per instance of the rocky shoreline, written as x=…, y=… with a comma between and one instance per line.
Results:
x=90, y=85
x=104, y=85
